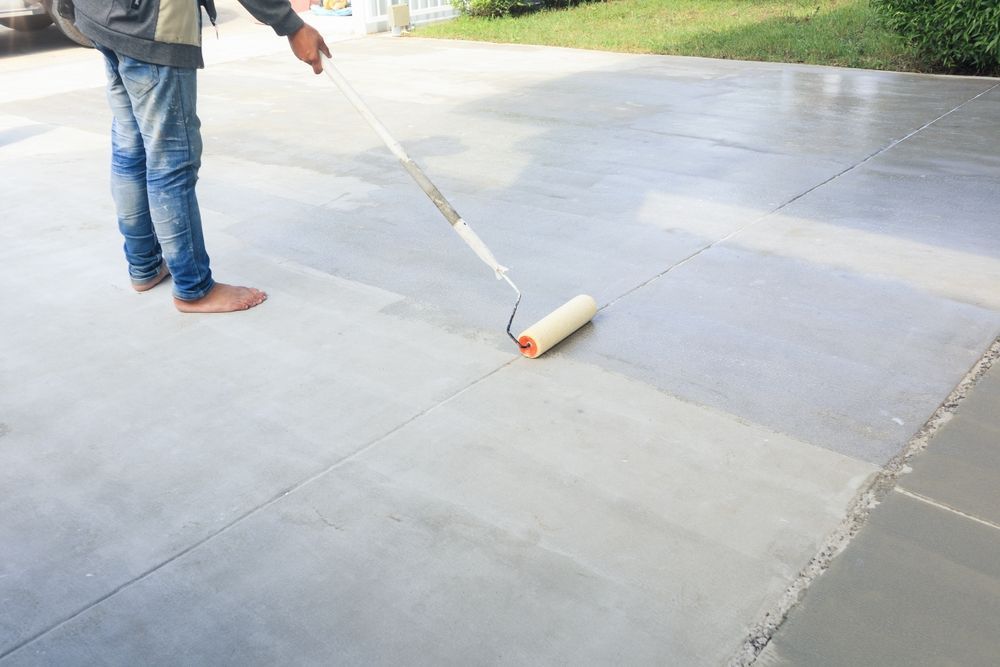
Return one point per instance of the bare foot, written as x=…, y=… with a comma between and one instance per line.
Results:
x=223, y=299
x=164, y=272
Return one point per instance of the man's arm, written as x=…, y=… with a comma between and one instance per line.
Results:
x=305, y=41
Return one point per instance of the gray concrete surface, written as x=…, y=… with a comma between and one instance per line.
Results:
x=794, y=263
x=920, y=585
x=962, y=470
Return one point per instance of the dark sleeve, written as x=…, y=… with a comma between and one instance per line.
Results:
x=276, y=13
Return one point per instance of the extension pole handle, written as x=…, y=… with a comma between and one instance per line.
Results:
x=359, y=104
x=447, y=210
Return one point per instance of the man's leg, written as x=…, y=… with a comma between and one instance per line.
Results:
x=128, y=186
x=163, y=105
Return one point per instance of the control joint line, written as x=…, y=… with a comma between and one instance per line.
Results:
x=947, y=508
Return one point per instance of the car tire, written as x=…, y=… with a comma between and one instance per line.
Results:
x=27, y=23
x=66, y=26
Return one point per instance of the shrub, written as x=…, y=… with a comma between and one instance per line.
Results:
x=561, y=4
x=489, y=8
x=497, y=8
x=955, y=34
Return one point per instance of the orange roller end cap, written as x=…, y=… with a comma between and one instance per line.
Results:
x=529, y=347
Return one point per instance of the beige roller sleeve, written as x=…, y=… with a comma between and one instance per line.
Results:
x=557, y=325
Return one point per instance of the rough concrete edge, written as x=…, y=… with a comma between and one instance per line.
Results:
x=868, y=497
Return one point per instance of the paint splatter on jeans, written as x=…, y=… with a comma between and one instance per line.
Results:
x=155, y=156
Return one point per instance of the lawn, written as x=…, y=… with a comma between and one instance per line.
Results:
x=825, y=32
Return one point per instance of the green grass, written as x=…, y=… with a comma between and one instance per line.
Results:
x=823, y=32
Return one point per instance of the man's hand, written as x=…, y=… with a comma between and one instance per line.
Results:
x=307, y=44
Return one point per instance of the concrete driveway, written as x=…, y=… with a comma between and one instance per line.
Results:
x=795, y=266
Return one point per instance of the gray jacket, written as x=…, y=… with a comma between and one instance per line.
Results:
x=167, y=32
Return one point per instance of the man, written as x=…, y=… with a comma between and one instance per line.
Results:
x=152, y=49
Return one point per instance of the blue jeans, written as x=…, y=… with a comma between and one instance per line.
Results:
x=155, y=156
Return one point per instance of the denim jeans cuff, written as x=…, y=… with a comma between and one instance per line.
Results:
x=139, y=282
x=194, y=296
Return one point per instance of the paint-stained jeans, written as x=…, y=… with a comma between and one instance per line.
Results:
x=155, y=156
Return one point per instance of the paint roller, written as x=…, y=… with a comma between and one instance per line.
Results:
x=540, y=336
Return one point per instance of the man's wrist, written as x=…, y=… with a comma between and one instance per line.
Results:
x=289, y=24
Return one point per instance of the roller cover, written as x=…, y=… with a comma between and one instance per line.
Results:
x=560, y=323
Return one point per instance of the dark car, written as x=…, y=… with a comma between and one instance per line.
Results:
x=36, y=15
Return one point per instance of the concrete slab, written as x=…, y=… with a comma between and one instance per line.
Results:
x=174, y=485
x=918, y=586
